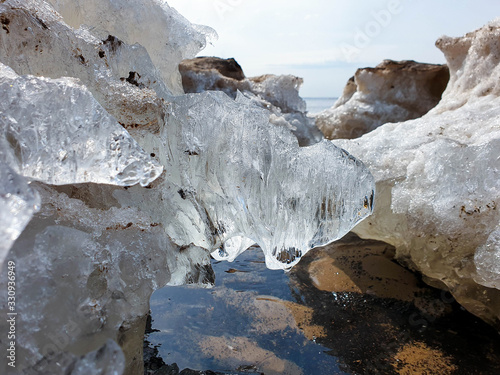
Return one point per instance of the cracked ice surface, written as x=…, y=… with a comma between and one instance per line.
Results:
x=251, y=183
x=55, y=131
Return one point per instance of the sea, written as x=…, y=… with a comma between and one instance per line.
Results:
x=316, y=105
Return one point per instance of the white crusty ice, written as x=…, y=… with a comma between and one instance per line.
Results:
x=280, y=95
x=438, y=178
x=167, y=36
x=487, y=261
x=56, y=132
x=281, y=91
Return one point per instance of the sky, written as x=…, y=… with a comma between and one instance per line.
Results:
x=325, y=41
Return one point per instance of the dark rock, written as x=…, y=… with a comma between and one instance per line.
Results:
x=226, y=67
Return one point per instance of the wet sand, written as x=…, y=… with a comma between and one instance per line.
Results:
x=344, y=309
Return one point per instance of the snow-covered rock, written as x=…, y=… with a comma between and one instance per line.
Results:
x=438, y=178
x=393, y=91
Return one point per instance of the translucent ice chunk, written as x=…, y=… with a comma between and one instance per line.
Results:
x=251, y=183
x=108, y=261
x=107, y=360
x=281, y=91
x=120, y=76
x=56, y=132
x=167, y=36
x=18, y=202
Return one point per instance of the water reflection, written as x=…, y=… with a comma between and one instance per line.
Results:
x=346, y=308
x=245, y=322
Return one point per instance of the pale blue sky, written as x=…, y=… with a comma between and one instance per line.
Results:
x=324, y=41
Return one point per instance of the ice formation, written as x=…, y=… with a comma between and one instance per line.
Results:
x=233, y=179
x=393, y=91
x=56, y=132
x=166, y=35
x=438, y=178
x=487, y=261
x=85, y=114
x=267, y=191
x=88, y=269
x=121, y=77
x=281, y=91
x=107, y=360
x=278, y=94
x=18, y=203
